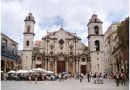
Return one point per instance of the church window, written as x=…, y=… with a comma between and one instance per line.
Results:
x=61, y=41
x=83, y=59
x=27, y=43
x=97, y=45
x=28, y=28
x=96, y=29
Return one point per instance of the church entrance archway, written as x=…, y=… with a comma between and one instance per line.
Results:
x=83, y=69
x=60, y=66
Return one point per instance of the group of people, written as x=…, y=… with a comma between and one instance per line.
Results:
x=120, y=78
x=64, y=75
x=96, y=77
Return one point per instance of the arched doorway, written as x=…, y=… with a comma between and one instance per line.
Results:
x=60, y=66
x=83, y=69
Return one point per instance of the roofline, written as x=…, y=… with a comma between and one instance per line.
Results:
x=115, y=23
x=58, y=31
x=9, y=38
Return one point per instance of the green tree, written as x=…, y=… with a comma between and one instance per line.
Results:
x=123, y=35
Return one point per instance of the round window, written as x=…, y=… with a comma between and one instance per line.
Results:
x=83, y=59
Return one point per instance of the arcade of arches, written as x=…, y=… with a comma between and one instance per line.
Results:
x=7, y=65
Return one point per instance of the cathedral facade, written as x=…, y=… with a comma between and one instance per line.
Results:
x=63, y=51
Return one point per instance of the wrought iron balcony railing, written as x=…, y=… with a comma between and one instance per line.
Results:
x=10, y=55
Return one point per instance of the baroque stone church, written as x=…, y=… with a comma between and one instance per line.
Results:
x=63, y=51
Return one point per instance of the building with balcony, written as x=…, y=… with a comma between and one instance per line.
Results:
x=9, y=57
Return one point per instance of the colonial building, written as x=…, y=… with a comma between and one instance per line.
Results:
x=112, y=51
x=62, y=51
x=59, y=51
x=9, y=58
x=109, y=47
x=95, y=44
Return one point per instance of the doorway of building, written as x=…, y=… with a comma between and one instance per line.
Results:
x=38, y=66
x=60, y=66
x=83, y=69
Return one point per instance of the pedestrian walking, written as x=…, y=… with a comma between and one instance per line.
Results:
x=117, y=79
x=29, y=77
x=59, y=77
x=70, y=76
x=81, y=77
x=95, y=78
x=98, y=78
x=91, y=75
x=101, y=78
x=36, y=79
x=88, y=76
x=77, y=76
x=123, y=78
x=5, y=76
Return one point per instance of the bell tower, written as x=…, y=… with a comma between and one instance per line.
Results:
x=95, y=44
x=28, y=41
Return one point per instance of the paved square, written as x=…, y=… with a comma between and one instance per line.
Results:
x=70, y=84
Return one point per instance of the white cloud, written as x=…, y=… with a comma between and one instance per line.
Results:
x=75, y=14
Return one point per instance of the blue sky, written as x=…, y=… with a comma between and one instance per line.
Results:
x=49, y=14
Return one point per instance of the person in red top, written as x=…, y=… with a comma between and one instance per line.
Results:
x=123, y=77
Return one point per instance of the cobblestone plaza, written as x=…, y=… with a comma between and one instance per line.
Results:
x=70, y=84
